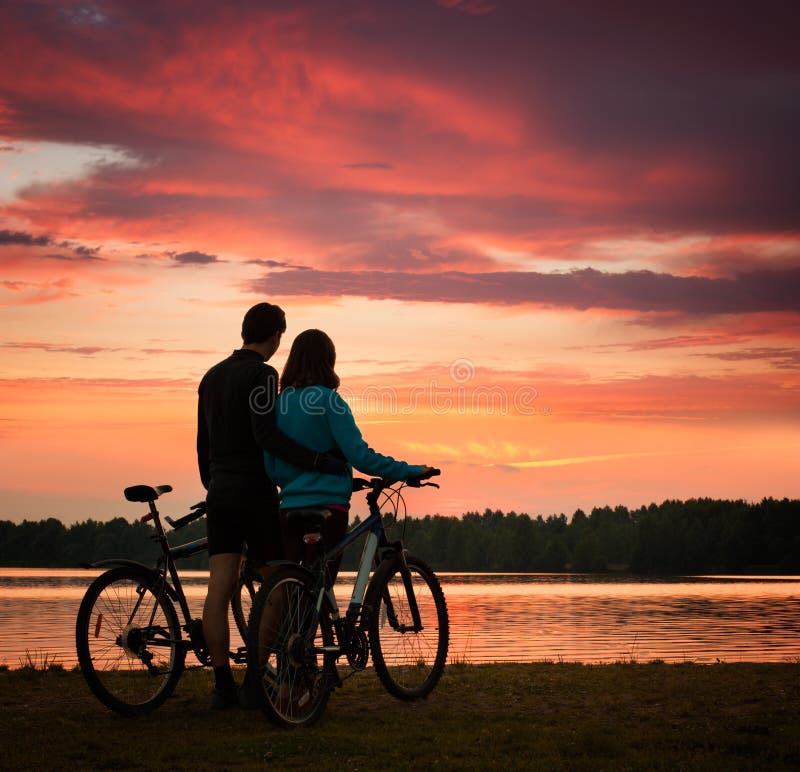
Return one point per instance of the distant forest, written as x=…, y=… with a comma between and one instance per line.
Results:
x=695, y=536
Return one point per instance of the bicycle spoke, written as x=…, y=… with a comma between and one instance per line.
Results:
x=284, y=623
x=128, y=641
x=409, y=650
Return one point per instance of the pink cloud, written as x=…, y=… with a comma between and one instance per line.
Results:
x=780, y=357
x=27, y=293
x=111, y=386
x=83, y=350
x=580, y=289
x=58, y=348
x=474, y=7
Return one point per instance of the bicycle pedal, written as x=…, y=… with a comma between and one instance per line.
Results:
x=334, y=682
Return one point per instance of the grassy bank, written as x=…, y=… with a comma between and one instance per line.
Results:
x=543, y=716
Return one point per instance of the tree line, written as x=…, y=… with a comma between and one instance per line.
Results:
x=694, y=536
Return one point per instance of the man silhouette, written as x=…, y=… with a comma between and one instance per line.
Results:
x=235, y=424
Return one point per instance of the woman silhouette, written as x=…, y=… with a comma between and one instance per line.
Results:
x=310, y=408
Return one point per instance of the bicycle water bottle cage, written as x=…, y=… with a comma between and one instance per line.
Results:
x=145, y=493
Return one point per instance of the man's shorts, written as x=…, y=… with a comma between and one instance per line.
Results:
x=241, y=510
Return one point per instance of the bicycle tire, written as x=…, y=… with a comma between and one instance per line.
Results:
x=242, y=602
x=287, y=680
x=409, y=664
x=131, y=660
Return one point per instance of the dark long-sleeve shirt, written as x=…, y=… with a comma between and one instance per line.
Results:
x=236, y=420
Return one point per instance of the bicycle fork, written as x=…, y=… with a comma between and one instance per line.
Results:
x=408, y=585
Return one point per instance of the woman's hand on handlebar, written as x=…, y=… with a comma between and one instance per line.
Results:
x=427, y=471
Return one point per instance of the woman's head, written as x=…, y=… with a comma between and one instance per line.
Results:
x=311, y=362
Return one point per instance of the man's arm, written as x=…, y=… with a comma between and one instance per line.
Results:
x=203, y=446
x=272, y=439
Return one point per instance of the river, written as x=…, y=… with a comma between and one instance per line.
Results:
x=499, y=617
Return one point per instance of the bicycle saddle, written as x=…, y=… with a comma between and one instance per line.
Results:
x=145, y=493
x=310, y=518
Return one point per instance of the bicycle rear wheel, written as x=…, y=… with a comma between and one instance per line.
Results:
x=129, y=641
x=409, y=658
x=290, y=675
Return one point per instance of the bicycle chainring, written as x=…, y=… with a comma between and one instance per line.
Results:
x=358, y=650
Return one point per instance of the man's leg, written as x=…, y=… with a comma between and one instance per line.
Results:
x=223, y=575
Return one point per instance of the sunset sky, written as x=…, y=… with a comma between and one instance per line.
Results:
x=557, y=245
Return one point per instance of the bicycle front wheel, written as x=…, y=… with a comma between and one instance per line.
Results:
x=242, y=600
x=129, y=641
x=291, y=664
x=409, y=630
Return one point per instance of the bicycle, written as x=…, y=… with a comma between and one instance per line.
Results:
x=296, y=634
x=128, y=635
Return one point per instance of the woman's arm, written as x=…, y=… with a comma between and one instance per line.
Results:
x=356, y=451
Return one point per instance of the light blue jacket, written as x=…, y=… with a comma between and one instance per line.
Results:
x=320, y=419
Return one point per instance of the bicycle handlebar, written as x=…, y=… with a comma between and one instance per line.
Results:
x=379, y=483
x=198, y=510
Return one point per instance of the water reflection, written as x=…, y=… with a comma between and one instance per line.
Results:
x=502, y=617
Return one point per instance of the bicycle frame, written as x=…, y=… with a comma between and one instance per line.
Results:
x=165, y=565
x=165, y=573
x=372, y=526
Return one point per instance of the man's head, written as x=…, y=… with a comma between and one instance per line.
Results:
x=262, y=328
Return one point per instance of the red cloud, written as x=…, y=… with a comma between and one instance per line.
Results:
x=315, y=136
x=515, y=125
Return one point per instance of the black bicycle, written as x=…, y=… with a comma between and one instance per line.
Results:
x=297, y=633
x=128, y=636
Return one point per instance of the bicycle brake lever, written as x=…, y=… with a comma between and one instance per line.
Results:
x=417, y=483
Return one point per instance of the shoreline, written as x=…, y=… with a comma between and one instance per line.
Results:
x=763, y=572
